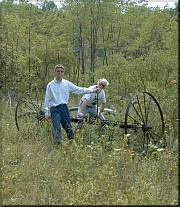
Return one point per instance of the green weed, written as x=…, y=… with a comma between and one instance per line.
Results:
x=95, y=169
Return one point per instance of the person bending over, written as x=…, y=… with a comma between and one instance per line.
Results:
x=88, y=102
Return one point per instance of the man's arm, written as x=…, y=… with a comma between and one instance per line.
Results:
x=102, y=108
x=46, y=102
x=103, y=103
x=100, y=115
x=81, y=90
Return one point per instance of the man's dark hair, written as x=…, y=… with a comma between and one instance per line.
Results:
x=59, y=66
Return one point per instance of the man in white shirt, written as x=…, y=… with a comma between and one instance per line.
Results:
x=88, y=102
x=56, y=100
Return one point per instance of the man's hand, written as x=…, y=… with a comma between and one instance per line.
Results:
x=97, y=90
x=43, y=116
x=40, y=116
x=47, y=116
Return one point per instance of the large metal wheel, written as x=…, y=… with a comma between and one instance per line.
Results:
x=28, y=113
x=144, y=123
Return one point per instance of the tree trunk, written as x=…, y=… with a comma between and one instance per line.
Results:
x=93, y=45
x=81, y=49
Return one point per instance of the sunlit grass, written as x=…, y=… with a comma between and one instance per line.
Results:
x=96, y=169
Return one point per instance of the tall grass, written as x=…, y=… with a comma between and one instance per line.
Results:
x=95, y=170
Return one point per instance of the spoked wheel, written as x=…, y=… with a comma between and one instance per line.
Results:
x=144, y=123
x=28, y=113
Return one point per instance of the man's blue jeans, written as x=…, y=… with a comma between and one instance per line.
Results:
x=60, y=115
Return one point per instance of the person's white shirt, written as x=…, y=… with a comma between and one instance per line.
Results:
x=57, y=92
x=92, y=97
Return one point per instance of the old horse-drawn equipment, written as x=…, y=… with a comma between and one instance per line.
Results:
x=143, y=121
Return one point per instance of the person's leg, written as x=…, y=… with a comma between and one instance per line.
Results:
x=93, y=111
x=56, y=120
x=66, y=122
x=92, y=114
x=81, y=108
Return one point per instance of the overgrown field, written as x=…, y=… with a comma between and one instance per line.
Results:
x=97, y=171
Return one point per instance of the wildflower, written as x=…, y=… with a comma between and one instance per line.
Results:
x=160, y=149
x=118, y=149
x=173, y=81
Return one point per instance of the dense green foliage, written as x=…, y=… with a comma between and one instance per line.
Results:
x=135, y=48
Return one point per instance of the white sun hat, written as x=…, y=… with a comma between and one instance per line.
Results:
x=103, y=81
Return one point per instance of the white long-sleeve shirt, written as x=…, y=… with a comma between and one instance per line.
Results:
x=57, y=92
